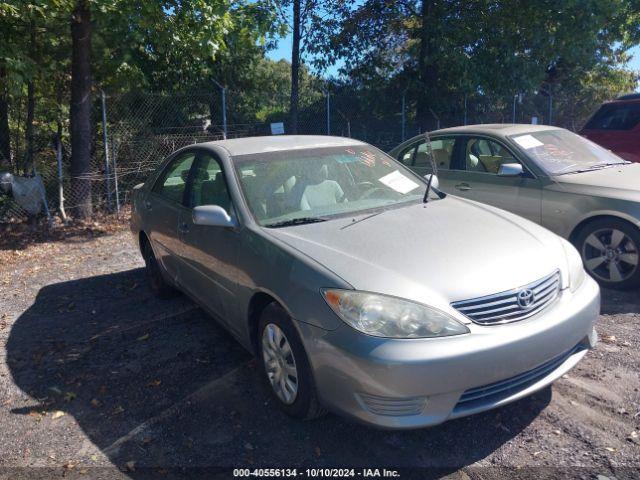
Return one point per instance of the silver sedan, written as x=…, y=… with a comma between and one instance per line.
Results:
x=551, y=176
x=359, y=290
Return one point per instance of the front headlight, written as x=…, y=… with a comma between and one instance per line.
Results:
x=383, y=316
x=575, y=266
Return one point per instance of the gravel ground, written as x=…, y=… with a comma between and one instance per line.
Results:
x=100, y=379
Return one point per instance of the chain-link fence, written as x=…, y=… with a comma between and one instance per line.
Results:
x=133, y=132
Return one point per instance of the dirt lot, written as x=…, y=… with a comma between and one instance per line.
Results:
x=100, y=379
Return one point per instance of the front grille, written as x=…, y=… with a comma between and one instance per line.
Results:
x=494, y=392
x=395, y=407
x=504, y=307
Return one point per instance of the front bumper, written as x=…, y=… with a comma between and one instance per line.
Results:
x=410, y=383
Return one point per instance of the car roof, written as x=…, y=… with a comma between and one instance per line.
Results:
x=276, y=143
x=496, y=129
x=629, y=96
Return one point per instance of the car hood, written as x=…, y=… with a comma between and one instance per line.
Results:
x=444, y=251
x=622, y=182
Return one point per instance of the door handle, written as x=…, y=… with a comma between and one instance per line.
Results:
x=463, y=187
x=183, y=227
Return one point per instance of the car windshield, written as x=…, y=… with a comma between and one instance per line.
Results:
x=560, y=152
x=303, y=186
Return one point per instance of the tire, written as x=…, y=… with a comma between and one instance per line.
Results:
x=303, y=404
x=610, y=251
x=159, y=286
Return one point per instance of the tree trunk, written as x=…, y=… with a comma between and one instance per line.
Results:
x=426, y=66
x=5, y=134
x=80, y=118
x=27, y=163
x=295, y=68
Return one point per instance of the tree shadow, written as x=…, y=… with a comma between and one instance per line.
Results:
x=158, y=383
x=20, y=235
x=618, y=302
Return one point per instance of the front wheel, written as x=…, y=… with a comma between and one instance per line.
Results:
x=610, y=252
x=284, y=365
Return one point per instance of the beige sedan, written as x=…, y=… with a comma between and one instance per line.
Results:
x=549, y=175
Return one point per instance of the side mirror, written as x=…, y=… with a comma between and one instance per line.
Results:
x=213, y=216
x=434, y=180
x=510, y=170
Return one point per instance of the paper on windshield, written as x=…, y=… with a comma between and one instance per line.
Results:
x=528, y=141
x=398, y=182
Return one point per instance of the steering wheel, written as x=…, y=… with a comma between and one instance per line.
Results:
x=372, y=191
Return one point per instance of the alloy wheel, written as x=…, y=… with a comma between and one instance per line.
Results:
x=610, y=255
x=279, y=363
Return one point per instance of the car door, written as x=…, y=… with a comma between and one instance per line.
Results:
x=163, y=206
x=416, y=157
x=209, y=270
x=481, y=158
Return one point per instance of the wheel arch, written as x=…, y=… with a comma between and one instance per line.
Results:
x=573, y=236
x=258, y=302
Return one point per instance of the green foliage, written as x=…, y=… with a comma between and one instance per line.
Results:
x=437, y=52
x=487, y=49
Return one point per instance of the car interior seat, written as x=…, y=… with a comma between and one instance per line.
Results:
x=214, y=192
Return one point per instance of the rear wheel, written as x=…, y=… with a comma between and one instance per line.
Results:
x=157, y=283
x=610, y=252
x=284, y=365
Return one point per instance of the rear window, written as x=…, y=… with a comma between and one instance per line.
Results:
x=615, y=116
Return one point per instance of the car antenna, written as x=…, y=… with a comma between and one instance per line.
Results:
x=434, y=168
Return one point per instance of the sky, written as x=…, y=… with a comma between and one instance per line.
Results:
x=284, y=51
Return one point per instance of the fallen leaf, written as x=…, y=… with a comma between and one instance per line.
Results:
x=144, y=337
x=154, y=383
x=118, y=410
x=95, y=402
x=318, y=451
x=57, y=414
x=68, y=396
x=610, y=449
x=131, y=465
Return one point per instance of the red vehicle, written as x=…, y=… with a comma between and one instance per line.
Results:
x=616, y=126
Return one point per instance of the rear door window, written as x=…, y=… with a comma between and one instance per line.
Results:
x=173, y=181
x=614, y=116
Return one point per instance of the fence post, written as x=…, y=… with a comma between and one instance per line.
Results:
x=223, y=92
x=115, y=175
x=224, y=113
x=328, y=113
x=58, y=147
x=465, y=109
x=105, y=140
x=404, y=94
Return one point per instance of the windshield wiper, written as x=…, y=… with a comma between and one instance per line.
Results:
x=598, y=167
x=295, y=221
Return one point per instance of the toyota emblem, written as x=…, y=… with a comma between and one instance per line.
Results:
x=526, y=298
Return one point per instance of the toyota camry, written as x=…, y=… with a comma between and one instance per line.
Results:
x=360, y=287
